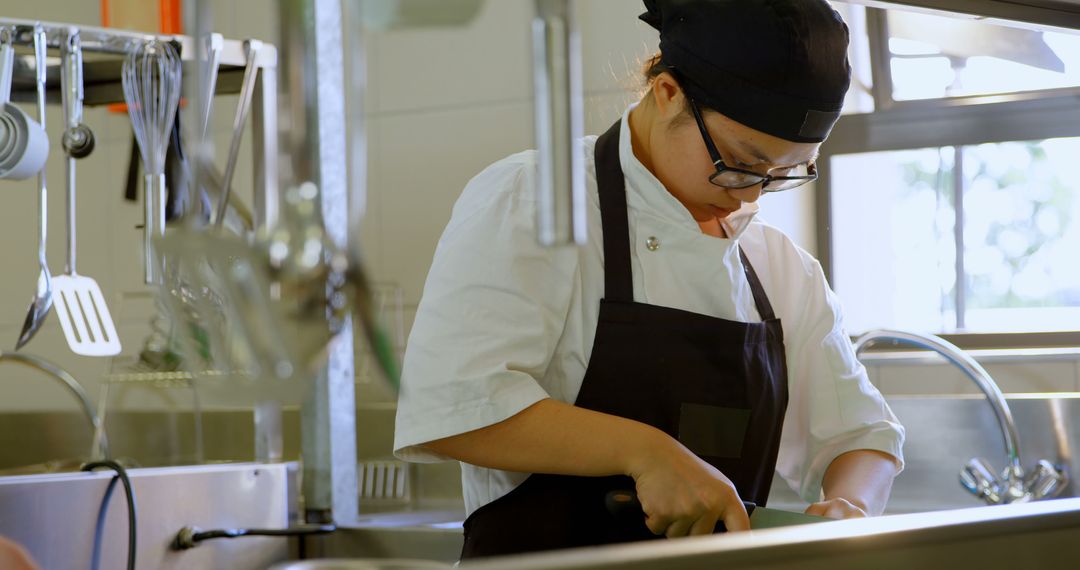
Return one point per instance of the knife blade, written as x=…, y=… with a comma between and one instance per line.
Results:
x=764, y=517
x=623, y=504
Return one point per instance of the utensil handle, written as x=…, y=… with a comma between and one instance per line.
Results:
x=214, y=44
x=153, y=221
x=69, y=179
x=251, y=70
x=624, y=505
x=71, y=97
x=71, y=81
x=7, y=64
x=40, y=49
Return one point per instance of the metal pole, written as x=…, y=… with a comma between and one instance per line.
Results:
x=312, y=132
x=958, y=236
x=557, y=88
x=877, y=27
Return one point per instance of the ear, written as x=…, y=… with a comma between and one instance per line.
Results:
x=668, y=96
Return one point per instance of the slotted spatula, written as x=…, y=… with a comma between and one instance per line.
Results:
x=80, y=306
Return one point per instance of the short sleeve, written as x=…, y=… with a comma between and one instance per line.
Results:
x=493, y=309
x=833, y=408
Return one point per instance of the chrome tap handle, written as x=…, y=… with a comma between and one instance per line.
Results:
x=979, y=479
x=1013, y=486
x=1046, y=480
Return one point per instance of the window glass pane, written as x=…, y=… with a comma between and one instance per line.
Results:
x=892, y=233
x=895, y=247
x=938, y=56
x=1022, y=235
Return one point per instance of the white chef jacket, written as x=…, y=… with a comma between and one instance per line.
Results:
x=504, y=322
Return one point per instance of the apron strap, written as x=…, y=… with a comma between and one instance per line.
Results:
x=764, y=307
x=618, y=279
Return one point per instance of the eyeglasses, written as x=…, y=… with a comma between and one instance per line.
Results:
x=736, y=178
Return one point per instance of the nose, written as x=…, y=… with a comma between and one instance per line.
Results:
x=748, y=194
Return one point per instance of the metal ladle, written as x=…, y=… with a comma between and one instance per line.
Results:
x=42, y=302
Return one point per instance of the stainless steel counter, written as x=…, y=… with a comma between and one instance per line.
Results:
x=53, y=515
x=943, y=432
x=1019, y=536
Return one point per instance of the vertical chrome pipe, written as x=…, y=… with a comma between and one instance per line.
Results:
x=313, y=134
x=559, y=117
x=269, y=444
x=199, y=88
x=958, y=237
x=356, y=82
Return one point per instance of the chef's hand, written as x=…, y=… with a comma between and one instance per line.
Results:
x=14, y=557
x=837, y=508
x=683, y=495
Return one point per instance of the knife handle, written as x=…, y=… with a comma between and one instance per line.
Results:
x=624, y=505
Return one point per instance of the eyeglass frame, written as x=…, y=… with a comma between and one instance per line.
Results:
x=721, y=167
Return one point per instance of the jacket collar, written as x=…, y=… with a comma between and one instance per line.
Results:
x=646, y=193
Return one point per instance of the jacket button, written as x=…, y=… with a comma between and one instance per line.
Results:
x=652, y=243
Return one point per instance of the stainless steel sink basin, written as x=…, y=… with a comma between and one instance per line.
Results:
x=944, y=432
x=434, y=535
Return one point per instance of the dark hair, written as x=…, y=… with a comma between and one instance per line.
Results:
x=653, y=67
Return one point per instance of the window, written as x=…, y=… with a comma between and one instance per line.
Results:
x=935, y=56
x=1011, y=267
x=952, y=204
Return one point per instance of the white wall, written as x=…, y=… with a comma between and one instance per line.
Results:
x=442, y=104
x=109, y=245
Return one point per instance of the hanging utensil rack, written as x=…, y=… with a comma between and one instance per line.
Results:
x=104, y=50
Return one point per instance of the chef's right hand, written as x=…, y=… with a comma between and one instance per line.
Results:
x=683, y=495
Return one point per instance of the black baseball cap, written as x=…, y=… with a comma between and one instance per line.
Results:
x=777, y=66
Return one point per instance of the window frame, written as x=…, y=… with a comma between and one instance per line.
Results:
x=934, y=123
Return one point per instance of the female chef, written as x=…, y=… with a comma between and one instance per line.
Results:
x=687, y=351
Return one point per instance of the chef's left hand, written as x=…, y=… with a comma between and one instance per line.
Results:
x=837, y=508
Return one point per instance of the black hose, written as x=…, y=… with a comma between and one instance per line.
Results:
x=99, y=528
x=129, y=494
x=189, y=537
x=237, y=532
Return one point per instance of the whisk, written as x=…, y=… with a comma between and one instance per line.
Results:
x=151, y=80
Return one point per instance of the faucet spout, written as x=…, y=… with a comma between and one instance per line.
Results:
x=100, y=446
x=1015, y=489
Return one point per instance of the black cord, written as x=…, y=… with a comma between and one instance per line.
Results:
x=238, y=532
x=189, y=537
x=122, y=474
x=95, y=557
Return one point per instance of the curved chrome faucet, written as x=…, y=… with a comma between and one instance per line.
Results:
x=1045, y=481
x=100, y=447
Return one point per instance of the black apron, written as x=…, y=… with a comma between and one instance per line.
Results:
x=718, y=386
